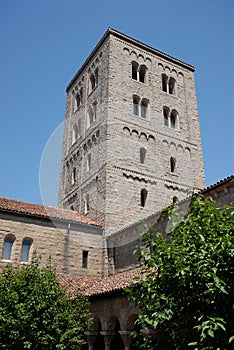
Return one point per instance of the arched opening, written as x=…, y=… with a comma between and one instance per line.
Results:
x=142, y=155
x=173, y=164
x=134, y=70
x=171, y=86
x=92, y=82
x=136, y=100
x=164, y=82
x=117, y=342
x=173, y=119
x=144, y=105
x=99, y=343
x=26, y=245
x=73, y=176
x=166, y=116
x=96, y=76
x=7, y=247
x=143, y=197
x=142, y=74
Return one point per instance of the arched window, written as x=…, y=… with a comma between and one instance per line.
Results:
x=7, y=247
x=143, y=197
x=90, y=117
x=136, y=101
x=26, y=245
x=88, y=162
x=173, y=119
x=166, y=116
x=173, y=164
x=142, y=155
x=142, y=74
x=134, y=70
x=171, y=86
x=87, y=206
x=164, y=82
x=96, y=76
x=77, y=101
x=73, y=176
x=144, y=105
x=92, y=82
x=175, y=199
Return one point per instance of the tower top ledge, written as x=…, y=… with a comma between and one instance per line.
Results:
x=124, y=37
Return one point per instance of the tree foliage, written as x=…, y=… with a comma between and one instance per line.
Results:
x=187, y=292
x=37, y=313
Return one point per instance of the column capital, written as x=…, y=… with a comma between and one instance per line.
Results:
x=126, y=337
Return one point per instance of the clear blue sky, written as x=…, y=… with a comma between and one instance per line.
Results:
x=44, y=42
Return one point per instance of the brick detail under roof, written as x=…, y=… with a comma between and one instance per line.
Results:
x=41, y=211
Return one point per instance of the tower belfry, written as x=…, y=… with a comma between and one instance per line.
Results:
x=131, y=134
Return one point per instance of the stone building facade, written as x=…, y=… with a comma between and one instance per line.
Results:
x=131, y=147
x=131, y=137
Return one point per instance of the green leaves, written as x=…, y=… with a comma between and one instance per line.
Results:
x=36, y=313
x=188, y=292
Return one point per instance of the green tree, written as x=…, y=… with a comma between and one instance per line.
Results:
x=37, y=313
x=187, y=292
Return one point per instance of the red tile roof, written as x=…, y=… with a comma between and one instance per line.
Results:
x=41, y=211
x=99, y=286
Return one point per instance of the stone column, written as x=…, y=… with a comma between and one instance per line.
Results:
x=107, y=338
x=91, y=336
x=127, y=340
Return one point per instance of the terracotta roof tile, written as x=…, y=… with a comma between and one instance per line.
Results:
x=47, y=212
x=98, y=286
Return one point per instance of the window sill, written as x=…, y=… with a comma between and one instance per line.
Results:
x=6, y=260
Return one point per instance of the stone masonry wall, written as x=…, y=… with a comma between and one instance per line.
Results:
x=64, y=244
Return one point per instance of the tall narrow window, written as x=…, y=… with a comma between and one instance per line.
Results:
x=26, y=244
x=77, y=101
x=8, y=243
x=142, y=155
x=142, y=74
x=173, y=164
x=90, y=117
x=173, y=119
x=144, y=105
x=143, y=197
x=164, y=82
x=171, y=86
x=92, y=81
x=88, y=162
x=73, y=176
x=85, y=259
x=136, y=101
x=94, y=111
x=166, y=116
x=87, y=206
x=134, y=70
x=96, y=76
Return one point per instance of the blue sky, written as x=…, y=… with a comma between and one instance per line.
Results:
x=44, y=42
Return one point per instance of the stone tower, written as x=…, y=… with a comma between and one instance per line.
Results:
x=131, y=135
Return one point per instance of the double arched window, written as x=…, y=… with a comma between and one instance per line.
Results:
x=140, y=106
x=168, y=84
x=170, y=118
x=78, y=99
x=139, y=72
x=93, y=80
